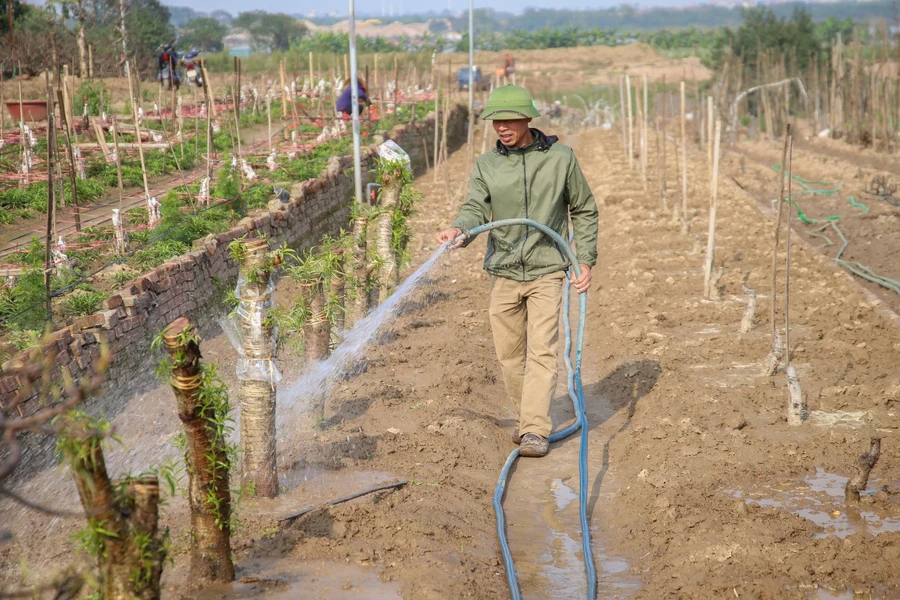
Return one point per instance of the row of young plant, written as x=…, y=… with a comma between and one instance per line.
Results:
x=345, y=277
x=23, y=314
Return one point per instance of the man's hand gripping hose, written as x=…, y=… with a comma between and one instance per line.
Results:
x=576, y=393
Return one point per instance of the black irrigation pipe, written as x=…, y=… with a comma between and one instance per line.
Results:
x=388, y=486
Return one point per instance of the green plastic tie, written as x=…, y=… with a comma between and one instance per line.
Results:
x=853, y=202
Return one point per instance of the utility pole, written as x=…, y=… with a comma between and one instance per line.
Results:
x=354, y=105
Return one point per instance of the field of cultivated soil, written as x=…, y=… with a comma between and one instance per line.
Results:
x=698, y=486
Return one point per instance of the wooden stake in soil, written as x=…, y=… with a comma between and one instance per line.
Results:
x=710, y=119
x=645, y=138
x=630, y=122
x=115, y=132
x=51, y=201
x=664, y=179
x=684, y=185
x=778, y=229
x=437, y=130
x=257, y=371
x=713, y=204
x=72, y=176
x=140, y=143
x=622, y=116
x=202, y=409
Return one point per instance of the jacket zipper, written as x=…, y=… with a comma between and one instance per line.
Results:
x=527, y=229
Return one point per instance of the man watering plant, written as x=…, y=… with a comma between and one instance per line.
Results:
x=528, y=174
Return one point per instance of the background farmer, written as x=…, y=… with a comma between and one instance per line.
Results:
x=528, y=174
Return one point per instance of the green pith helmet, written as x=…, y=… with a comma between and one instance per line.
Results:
x=509, y=102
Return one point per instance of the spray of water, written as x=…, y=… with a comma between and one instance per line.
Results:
x=318, y=379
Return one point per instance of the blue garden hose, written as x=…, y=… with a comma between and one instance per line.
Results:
x=576, y=393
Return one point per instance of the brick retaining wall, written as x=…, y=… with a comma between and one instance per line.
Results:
x=191, y=285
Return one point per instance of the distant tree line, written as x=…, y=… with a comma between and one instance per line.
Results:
x=64, y=31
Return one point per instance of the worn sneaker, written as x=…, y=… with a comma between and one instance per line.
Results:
x=516, y=436
x=534, y=446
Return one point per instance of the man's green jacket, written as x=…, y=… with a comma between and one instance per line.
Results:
x=542, y=182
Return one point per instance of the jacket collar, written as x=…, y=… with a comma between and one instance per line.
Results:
x=541, y=142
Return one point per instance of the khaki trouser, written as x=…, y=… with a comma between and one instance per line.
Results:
x=525, y=322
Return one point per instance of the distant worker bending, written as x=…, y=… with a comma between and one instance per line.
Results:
x=528, y=174
x=344, y=104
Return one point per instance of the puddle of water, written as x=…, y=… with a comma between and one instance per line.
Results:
x=821, y=593
x=820, y=498
x=562, y=564
x=288, y=579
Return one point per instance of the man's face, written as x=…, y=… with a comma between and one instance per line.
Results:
x=513, y=132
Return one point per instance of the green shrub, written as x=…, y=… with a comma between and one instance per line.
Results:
x=93, y=93
x=156, y=254
x=80, y=303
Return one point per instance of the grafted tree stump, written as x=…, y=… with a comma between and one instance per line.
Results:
x=205, y=457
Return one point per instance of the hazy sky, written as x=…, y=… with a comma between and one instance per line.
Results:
x=379, y=7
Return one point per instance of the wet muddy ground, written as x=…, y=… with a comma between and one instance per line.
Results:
x=698, y=487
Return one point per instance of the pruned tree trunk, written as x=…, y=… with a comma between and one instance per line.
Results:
x=82, y=53
x=388, y=274
x=206, y=458
x=317, y=330
x=123, y=519
x=864, y=465
x=360, y=307
x=259, y=375
x=750, y=311
x=796, y=404
x=338, y=288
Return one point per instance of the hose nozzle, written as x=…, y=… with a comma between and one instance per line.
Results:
x=463, y=239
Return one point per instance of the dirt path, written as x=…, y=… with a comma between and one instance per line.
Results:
x=697, y=482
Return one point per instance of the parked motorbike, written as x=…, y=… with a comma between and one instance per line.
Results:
x=167, y=62
x=192, y=68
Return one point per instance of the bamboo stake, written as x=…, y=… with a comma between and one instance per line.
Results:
x=787, y=256
x=134, y=114
x=51, y=202
x=684, y=184
x=778, y=229
x=622, y=117
x=710, y=119
x=269, y=118
x=796, y=402
x=72, y=169
x=115, y=130
x=284, y=101
x=630, y=123
x=713, y=205
x=645, y=138
x=664, y=179
x=437, y=128
x=446, y=159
